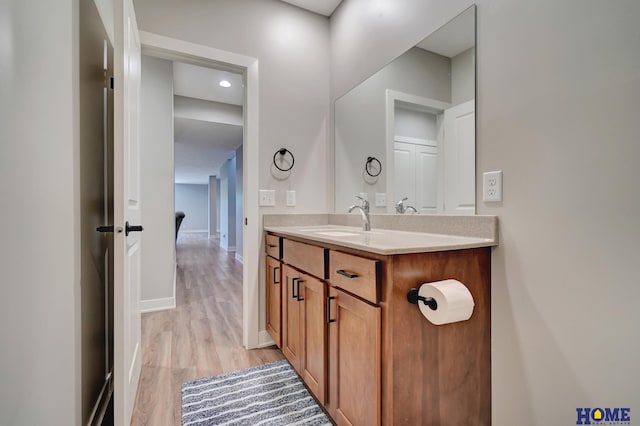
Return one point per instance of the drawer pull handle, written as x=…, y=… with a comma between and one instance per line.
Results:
x=293, y=288
x=275, y=279
x=346, y=274
x=272, y=245
x=300, y=299
x=329, y=299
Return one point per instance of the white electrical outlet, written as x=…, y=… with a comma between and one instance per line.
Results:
x=381, y=199
x=492, y=186
x=291, y=198
x=267, y=197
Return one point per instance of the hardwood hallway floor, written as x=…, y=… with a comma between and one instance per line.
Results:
x=201, y=337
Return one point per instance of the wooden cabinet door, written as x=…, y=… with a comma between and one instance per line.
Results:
x=354, y=360
x=291, y=311
x=314, y=335
x=274, y=299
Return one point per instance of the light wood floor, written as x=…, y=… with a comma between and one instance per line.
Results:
x=201, y=337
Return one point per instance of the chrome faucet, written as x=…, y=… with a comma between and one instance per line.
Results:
x=364, y=211
x=400, y=208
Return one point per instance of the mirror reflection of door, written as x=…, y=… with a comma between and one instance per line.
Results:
x=417, y=151
x=460, y=159
x=434, y=159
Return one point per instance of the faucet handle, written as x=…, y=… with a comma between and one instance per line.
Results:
x=400, y=205
x=365, y=203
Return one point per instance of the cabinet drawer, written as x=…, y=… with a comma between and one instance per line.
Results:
x=355, y=274
x=273, y=245
x=308, y=258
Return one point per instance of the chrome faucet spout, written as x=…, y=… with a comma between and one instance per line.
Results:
x=410, y=208
x=366, y=224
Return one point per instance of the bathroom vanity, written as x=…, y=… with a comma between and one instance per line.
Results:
x=337, y=307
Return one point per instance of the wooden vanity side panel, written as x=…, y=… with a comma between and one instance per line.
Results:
x=441, y=374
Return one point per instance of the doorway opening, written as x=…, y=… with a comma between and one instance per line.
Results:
x=196, y=122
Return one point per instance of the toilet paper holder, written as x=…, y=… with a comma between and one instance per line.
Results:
x=413, y=297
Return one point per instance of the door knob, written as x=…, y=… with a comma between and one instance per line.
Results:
x=128, y=228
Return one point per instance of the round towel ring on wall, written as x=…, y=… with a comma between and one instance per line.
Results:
x=283, y=152
x=367, y=166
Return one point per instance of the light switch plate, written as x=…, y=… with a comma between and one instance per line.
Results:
x=492, y=186
x=267, y=197
x=291, y=198
x=381, y=199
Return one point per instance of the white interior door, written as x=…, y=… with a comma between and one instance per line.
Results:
x=416, y=175
x=459, y=159
x=426, y=158
x=404, y=166
x=127, y=249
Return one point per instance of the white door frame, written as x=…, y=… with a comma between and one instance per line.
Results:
x=174, y=49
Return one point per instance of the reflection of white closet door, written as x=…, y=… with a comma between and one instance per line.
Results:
x=459, y=159
x=426, y=160
x=416, y=175
x=404, y=179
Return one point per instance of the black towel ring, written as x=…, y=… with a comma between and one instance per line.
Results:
x=283, y=152
x=368, y=164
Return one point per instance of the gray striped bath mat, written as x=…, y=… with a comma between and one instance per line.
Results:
x=270, y=394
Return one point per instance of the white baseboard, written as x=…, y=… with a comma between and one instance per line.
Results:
x=194, y=231
x=153, y=305
x=239, y=258
x=231, y=249
x=264, y=339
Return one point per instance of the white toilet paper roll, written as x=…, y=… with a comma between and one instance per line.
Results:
x=455, y=302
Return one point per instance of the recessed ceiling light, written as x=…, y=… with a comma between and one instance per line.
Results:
x=225, y=83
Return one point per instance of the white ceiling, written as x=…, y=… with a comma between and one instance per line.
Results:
x=323, y=7
x=202, y=147
x=197, y=82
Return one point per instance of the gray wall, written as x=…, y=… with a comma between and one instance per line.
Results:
x=239, y=218
x=156, y=179
x=559, y=117
x=214, y=206
x=40, y=244
x=292, y=47
x=228, y=205
x=463, y=74
x=193, y=200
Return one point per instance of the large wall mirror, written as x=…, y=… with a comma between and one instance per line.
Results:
x=405, y=137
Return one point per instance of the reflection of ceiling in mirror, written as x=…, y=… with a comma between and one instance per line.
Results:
x=323, y=7
x=454, y=37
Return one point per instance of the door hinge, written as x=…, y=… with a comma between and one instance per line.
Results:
x=245, y=221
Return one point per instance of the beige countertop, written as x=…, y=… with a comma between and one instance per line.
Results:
x=382, y=241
